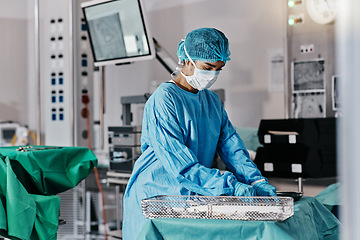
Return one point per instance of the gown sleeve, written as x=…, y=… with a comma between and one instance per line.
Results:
x=234, y=154
x=167, y=140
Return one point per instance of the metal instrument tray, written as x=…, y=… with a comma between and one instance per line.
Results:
x=219, y=207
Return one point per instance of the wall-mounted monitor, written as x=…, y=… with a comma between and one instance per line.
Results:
x=118, y=31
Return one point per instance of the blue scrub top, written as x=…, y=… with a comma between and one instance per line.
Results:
x=181, y=133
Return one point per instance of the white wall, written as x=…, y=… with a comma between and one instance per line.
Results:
x=13, y=61
x=15, y=9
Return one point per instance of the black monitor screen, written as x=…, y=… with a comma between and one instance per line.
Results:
x=8, y=133
x=117, y=31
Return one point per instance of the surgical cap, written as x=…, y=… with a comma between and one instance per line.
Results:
x=205, y=45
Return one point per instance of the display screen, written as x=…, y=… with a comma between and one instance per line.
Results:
x=308, y=76
x=117, y=31
x=8, y=134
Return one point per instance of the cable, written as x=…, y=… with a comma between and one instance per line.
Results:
x=102, y=201
x=85, y=100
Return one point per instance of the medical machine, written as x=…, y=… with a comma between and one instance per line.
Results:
x=124, y=147
x=7, y=133
x=14, y=134
x=124, y=140
x=118, y=31
x=297, y=148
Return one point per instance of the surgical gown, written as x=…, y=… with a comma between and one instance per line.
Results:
x=181, y=133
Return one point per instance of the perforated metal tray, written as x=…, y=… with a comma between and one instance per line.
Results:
x=219, y=207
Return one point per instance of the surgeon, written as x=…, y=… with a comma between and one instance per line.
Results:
x=184, y=126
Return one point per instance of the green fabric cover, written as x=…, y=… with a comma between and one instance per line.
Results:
x=311, y=220
x=47, y=217
x=51, y=171
x=25, y=215
x=330, y=195
x=20, y=208
x=249, y=137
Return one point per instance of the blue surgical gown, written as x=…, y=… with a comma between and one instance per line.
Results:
x=181, y=133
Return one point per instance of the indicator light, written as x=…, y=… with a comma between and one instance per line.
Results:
x=85, y=99
x=83, y=27
x=296, y=19
x=84, y=113
x=84, y=63
x=292, y=3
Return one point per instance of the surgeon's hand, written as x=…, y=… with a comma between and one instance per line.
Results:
x=242, y=189
x=264, y=189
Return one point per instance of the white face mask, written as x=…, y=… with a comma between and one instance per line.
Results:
x=201, y=79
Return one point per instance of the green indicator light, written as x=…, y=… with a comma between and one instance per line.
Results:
x=291, y=21
x=291, y=3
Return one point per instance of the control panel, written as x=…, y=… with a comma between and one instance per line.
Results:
x=83, y=80
x=66, y=75
x=56, y=69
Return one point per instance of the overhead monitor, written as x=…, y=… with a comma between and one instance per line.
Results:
x=118, y=31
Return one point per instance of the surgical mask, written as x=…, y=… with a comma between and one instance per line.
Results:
x=201, y=79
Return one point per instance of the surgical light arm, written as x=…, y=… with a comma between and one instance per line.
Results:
x=164, y=58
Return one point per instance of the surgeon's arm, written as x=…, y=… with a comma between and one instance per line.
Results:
x=232, y=151
x=167, y=140
x=236, y=158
